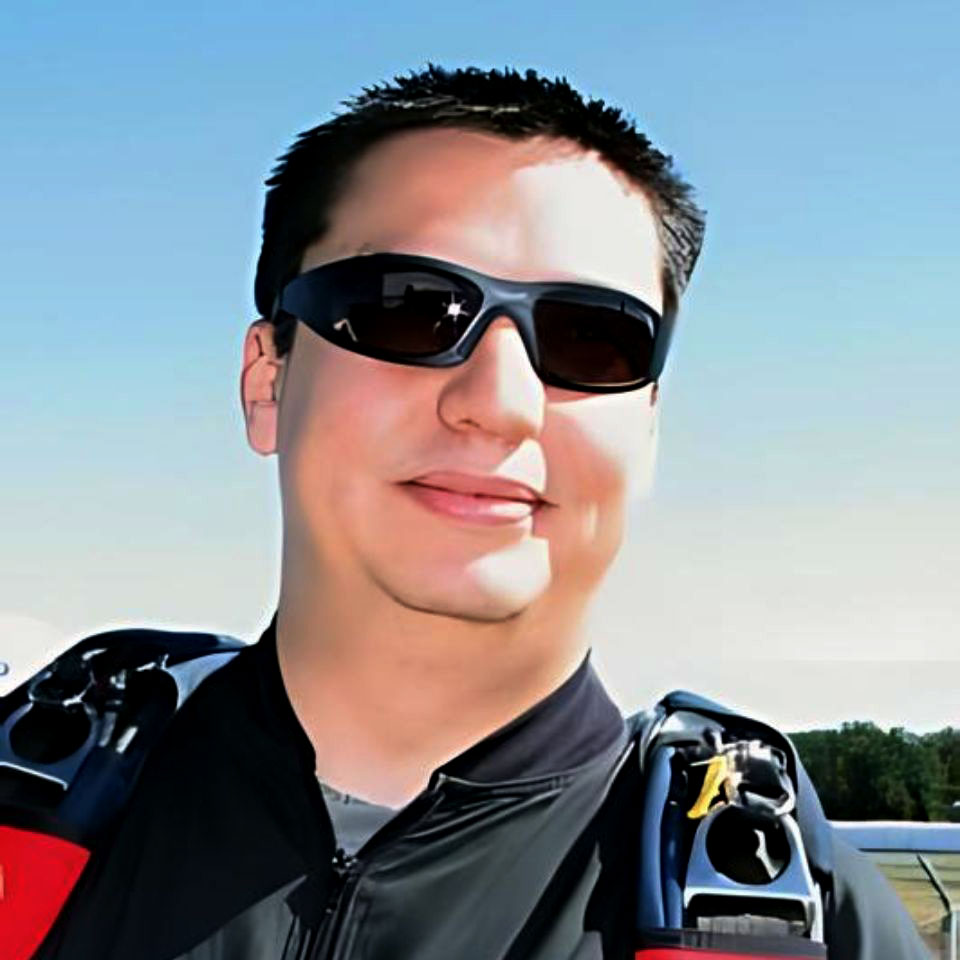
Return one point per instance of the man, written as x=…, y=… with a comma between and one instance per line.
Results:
x=466, y=286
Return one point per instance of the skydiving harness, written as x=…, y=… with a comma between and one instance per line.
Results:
x=73, y=739
x=723, y=870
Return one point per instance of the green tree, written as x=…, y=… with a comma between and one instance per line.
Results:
x=864, y=773
x=946, y=743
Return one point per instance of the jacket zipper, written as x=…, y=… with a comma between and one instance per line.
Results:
x=348, y=868
x=345, y=873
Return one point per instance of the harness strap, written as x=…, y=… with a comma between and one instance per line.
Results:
x=753, y=941
x=73, y=739
x=723, y=870
x=692, y=953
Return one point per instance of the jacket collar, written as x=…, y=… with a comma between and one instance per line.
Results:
x=571, y=726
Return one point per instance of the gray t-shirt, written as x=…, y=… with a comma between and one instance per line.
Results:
x=355, y=821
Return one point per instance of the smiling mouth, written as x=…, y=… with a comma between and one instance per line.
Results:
x=474, y=506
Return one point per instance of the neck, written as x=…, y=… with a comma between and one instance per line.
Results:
x=387, y=694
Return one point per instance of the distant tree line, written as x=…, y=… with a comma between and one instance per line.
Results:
x=864, y=773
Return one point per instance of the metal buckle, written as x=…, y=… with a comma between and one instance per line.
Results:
x=716, y=891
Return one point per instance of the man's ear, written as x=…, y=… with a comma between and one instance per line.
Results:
x=260, y=385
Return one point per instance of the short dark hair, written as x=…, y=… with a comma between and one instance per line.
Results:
x=305, y=182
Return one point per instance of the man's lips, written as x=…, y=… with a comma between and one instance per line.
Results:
x=479, y=486
x=489, y=501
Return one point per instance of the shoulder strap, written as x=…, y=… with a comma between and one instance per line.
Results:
x=690, y=709
x=735, y=850
x=73, y=739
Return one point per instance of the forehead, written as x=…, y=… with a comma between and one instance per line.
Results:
x=533, y=209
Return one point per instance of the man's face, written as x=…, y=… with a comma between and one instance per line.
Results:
x=380, y=464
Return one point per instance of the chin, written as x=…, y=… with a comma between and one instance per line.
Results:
x=460, y=578
x=489, y=610
x=489, y=590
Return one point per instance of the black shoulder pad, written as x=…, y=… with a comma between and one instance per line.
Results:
x=682, y=717
x=74, y=736
x=131, y=647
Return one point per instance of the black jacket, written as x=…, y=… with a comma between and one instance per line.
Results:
x=524, y=847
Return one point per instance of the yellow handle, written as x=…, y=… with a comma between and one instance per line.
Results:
x=717, y=773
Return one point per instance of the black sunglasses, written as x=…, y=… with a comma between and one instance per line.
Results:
x=430, y=313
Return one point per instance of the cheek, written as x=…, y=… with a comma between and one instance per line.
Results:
x=594, y=446
x=347, y=425
x=308, y=429
x=601, y=447
x=331, y=416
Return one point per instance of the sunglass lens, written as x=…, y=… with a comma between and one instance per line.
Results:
x=593, y=345
x=407, y=313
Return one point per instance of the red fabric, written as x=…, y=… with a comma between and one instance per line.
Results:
x=693, y=953
x=37, y=873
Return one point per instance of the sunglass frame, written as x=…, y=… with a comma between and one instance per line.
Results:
x=313, y=289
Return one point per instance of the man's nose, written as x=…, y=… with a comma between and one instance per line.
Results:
x=495, y=390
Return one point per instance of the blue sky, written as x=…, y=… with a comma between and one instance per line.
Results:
x=806, y=503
